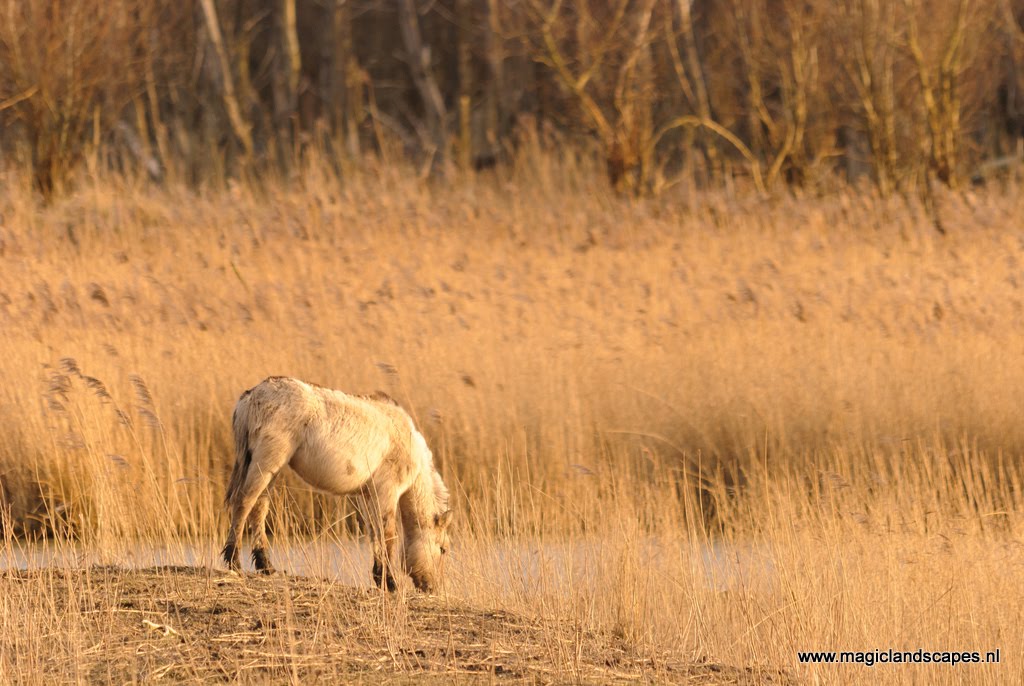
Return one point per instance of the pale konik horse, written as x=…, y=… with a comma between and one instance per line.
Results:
x=343, y=444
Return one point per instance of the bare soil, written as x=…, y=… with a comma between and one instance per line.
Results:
x=185, y=624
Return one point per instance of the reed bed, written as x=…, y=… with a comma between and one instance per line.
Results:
x=706, y=429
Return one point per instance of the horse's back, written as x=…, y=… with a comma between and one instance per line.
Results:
x=336, y=441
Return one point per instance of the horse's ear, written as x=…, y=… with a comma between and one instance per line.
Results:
x=443, y=520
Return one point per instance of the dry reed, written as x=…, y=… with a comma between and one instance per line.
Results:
x=705, y=427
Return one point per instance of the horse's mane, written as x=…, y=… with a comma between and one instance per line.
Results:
x=440, y=493
x=377, y=396
x=380, y=397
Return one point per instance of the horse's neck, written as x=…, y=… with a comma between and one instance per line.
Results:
x=418, y=502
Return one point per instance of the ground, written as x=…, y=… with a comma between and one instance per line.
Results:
x=186, y=624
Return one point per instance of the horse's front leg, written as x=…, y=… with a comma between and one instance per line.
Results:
x=382, y=520
x=390, y=548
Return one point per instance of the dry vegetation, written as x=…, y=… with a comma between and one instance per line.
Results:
x=188, y=624
x=688, y=431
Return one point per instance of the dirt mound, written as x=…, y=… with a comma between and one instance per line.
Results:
x=197, y=625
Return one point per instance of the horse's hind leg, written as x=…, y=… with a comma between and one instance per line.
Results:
x=230, y=553
x=256, y=482
x=258, y=529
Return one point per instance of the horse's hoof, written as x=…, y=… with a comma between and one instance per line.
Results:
x=388, y=584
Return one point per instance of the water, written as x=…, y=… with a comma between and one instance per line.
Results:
x=512, y=565
x=347, y=562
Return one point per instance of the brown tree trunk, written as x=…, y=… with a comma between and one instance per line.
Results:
x=346, y=92
x=419, y=65
x=464, y=23
x=285, y=80
x=497, y=93
x=940, y=95
x=239, y=125
x=700, y=91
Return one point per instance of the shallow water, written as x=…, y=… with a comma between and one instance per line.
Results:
x=522, y=565
x=347, y=562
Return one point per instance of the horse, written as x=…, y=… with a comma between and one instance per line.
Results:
x=367, y=446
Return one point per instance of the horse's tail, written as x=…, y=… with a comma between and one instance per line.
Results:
x=243, y=452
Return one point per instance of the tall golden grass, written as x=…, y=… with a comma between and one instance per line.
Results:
x=757, y=426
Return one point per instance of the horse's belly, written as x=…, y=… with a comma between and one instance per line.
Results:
x=335, y=471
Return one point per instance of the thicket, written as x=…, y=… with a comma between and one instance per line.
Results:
x=764, y=93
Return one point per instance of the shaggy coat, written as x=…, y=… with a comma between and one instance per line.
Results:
x=367, y=446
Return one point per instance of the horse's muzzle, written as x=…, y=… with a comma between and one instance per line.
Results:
x=424, y=584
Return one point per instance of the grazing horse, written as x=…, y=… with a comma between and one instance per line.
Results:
x=343, y=444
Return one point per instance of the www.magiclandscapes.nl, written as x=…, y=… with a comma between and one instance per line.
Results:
x=711, y=424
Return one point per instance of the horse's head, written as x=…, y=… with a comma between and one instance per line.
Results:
x=425, y=555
